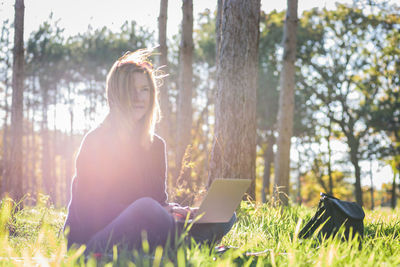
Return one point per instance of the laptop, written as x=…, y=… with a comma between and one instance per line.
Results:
x=222, y=199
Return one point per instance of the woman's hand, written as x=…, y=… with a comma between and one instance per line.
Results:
x=170, y=207
x=180, y=213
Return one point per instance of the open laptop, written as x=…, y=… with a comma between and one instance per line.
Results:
x=223, y=197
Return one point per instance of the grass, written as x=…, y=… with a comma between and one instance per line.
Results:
x=30, y=237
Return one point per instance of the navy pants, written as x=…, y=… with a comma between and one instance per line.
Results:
x=147, y=215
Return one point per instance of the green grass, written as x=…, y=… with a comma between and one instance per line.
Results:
x=30, y=237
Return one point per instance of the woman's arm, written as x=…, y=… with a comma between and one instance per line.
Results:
x=160, y=185
x=87, y=199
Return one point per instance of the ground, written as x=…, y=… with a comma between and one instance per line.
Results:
x=32, y=236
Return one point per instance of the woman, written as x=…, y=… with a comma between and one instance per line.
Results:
x=119, y=189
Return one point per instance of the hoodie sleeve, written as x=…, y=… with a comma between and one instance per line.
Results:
x=86, y=208
x=161, y=166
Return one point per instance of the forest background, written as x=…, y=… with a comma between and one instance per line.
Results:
x=347, y=102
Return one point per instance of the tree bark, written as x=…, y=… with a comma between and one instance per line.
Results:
x=13, y=171
x=53, y=154
x=372, y=186
x=27, y=148
x=5, y=154
x=163, y=62
x=218, y=32
x=46, y=164
x=70, y=150
x=286, y=105
x=299, y=178
x=268, y=159
x=5, y=41
x=33, y=153
x=184, y=112
x=329, y=160
x=394, y=197
x=354, y=144
x=234, y=144
x=357, y=171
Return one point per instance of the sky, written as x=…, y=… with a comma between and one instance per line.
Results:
x=76, y=15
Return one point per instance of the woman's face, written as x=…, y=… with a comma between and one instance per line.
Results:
x=141, y=95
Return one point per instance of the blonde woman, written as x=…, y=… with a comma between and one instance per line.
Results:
x=119, y=188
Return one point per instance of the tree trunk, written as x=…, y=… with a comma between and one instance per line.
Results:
x=5, y=155
x=184, y=112
x=234, y=146
x=372, y=186
x=357, y=172
x=46, y=165
x=13, y=171
x=5, y=40
x=70, y=150
x=33, y=153
x=268, y=159
x=163, y=62
x=286, y=105
x=394, y=197
x=27, y=150
x=329, y=160
x=53, y=153
x=299, y=177
x=218, y=31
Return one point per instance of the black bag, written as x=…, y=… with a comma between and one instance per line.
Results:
x=335, y=213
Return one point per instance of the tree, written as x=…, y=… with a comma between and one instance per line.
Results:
x=184, y=111
x=5, y=60
x=13, y=171
x=45, y=61
x=385, y=111
x=271, y=26
x=163, y=62
x=234, y=145
x=286, y=104
x=338, y=67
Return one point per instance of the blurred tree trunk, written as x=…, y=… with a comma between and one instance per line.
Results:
x=5, y=154
x=299, y=177
x=27, y=147
x=184, y=112
x=354, y=144
x=234, y=146
x=268, y=159
x=46, y=172
x=33, y=152
x=70, y=150
x=372, y=186
x=53, y=152
x=5, y=43
x=163, y=61
x=286, y=105
x=13, y=170
x=394, y=196
x=330, y=159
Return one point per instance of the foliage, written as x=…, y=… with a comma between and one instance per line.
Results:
x=339, y=73
x=314, y=183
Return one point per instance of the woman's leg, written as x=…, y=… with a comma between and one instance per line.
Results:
x=145, y=214
x=211, y=232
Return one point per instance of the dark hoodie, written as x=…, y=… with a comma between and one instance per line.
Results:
x=109, y=176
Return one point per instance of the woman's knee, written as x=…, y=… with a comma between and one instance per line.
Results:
x=149, y=209
x=146, y=202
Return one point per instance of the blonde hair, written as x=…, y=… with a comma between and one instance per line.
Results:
x=120, y=95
